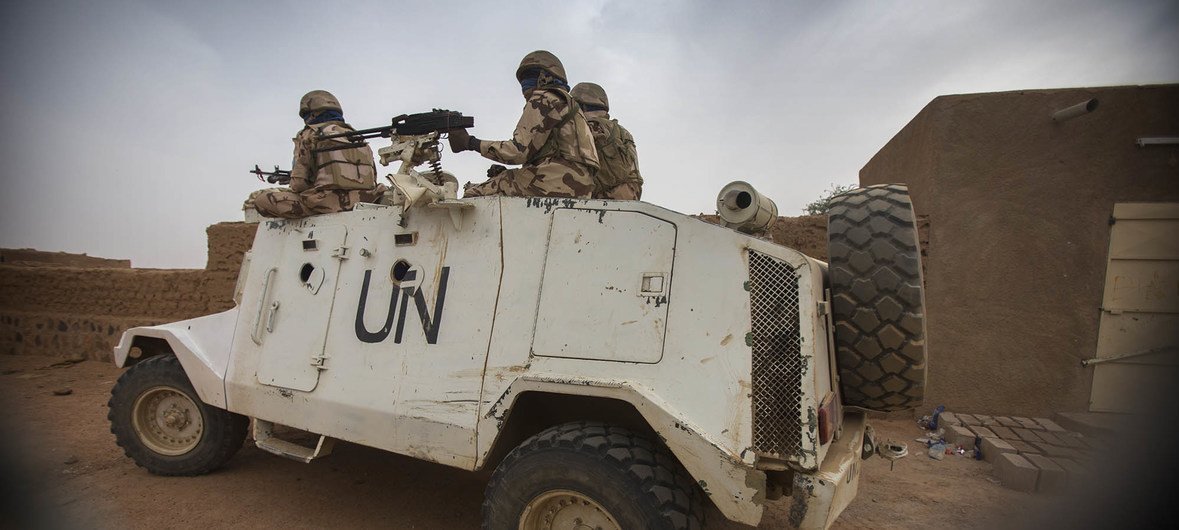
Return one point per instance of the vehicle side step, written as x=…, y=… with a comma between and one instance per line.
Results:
x=265, y=440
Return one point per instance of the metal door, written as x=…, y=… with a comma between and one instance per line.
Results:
x=607, y=283
x=1138, y=340
x=295, y=307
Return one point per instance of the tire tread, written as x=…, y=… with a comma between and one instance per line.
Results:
x=663, y=481
x=223, y=429
x=877, y=289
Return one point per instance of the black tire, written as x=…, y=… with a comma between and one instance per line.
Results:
x=878, y=299
x=220, y=432
x=639, y=483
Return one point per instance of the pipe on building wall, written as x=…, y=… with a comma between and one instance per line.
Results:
x=1069, y=113
x=1157, y=140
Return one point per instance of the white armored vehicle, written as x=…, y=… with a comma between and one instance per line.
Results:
x=617, y=364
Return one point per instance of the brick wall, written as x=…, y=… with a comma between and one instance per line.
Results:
x=68, y=310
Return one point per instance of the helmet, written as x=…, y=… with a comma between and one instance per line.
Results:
x=590, y=94
x=542, y=60
x=318, y=100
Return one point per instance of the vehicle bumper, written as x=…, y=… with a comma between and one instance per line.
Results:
x=819, y=498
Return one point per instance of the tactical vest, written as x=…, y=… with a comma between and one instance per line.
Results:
x=618, y=163
x=351, y=168
x=580, y=148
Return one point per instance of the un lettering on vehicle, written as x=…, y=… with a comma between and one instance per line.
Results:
x=430, y=318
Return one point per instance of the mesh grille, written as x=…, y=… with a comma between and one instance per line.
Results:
x=777, y=361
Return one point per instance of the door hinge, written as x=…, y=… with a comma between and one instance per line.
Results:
x=824, y=307
x=320, y=361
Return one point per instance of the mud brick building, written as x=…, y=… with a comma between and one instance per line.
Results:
x=1051, y=242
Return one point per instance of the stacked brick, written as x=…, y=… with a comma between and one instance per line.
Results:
x=1028, y=454
x=79, y=307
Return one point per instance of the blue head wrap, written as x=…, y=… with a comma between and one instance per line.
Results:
x=530, y=79
x=324, y=116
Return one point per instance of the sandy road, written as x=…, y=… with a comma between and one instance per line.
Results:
x=75, y=476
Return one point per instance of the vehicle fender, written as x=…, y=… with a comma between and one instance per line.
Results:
x=735, y=486
x=201, y=344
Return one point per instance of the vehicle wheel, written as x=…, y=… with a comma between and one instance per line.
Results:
x=161, y=423
x=878, y=299
x=591, y=475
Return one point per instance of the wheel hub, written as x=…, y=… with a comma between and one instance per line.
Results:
x=175, y=418
x=565, y=509
x=167, y=421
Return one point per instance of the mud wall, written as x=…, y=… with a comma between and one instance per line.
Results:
x=1019, y=209
x=27, y=257
x=81, y=311
x=807, y=234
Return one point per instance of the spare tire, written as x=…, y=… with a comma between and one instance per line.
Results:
x=878, y=298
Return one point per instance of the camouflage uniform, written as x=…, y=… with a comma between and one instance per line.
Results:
x=618, y=175
x=552, y=142
x=324, y=182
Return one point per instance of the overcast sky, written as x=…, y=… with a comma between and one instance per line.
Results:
x=130, y=125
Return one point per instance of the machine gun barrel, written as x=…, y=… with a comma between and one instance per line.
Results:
x=359, y=136
x=438, y=120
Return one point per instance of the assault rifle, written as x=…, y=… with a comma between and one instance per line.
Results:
x=278, y=176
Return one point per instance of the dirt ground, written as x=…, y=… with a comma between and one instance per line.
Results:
x=70, y=473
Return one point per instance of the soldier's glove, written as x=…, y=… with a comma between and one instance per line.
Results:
x=461, y=140
x=495, y=169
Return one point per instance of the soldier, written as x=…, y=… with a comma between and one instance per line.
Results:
x=325, y=181
x=618, y=173
x=552, y=141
